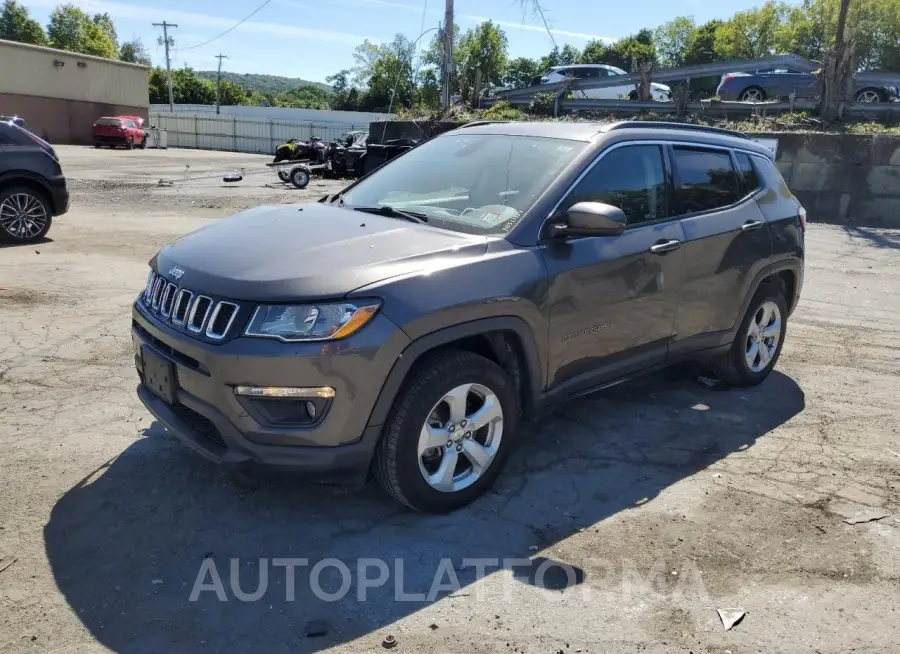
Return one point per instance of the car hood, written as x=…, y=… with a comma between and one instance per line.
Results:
x=305, y=251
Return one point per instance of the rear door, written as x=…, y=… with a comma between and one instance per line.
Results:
x=727, y=242
x=613, y=299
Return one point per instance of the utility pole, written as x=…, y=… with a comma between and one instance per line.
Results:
x=448, y=54
x=168, y=42
x=220, y=57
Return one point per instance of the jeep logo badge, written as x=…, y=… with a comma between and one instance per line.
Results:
x=176, y=273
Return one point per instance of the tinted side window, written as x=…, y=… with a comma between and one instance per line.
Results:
x=704, y=179
x=631, y=178
x=748, y=173
x=770, y=175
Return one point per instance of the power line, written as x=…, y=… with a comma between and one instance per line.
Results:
x=233, y=27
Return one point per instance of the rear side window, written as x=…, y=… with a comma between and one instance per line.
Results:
x=631, y=178
x=109, y=122
x=771, y=177
x=704, y=179
x=748, y=173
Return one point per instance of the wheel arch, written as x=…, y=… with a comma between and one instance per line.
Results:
x=784, y=275
x=25, y=179
x=505, y=340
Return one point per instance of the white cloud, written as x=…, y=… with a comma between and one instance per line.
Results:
x=144, y=12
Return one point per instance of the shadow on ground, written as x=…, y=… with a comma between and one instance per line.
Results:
x=16, y=244
x=880, y=238
x=128, y=543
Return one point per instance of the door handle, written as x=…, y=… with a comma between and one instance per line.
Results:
x=751, y=225
x=665, y=246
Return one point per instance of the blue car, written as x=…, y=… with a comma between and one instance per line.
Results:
x=780, y=83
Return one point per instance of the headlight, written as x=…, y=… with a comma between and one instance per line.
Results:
x=310, y=322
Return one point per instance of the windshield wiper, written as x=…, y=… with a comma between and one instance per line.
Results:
x=391, y=212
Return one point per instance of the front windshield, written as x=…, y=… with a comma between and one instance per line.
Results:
x=473, y=183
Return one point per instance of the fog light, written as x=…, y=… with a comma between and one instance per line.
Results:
x=311, y=410
x=323, y=392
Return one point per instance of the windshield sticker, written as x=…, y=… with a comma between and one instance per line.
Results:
x=490, y=217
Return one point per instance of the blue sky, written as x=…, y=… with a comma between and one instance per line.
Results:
x=313, y=39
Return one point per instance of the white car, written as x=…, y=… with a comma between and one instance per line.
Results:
x=658, y=92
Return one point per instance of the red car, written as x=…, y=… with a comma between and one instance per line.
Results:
x=119, y=130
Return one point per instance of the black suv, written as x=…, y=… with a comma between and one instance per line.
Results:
x=407, y=324
x=32, y=185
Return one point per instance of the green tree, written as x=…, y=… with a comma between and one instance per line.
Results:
x=751, y=34
x=159, y=89
x=520, y=71
x=134, y=52
x=702, y=49
x=386, y=73
x=482, y=48
x=189, y=88
x=231, y=94
x=595, y=52
x=17, y=25
x=72, y=29
x=105, y=23
x=637, y=48
x=674, y=39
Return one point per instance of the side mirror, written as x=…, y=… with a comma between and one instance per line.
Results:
x=591, y=219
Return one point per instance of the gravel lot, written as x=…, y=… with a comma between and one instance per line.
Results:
x=666, y=499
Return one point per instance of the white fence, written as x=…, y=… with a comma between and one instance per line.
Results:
x=253, y=135
x=316, y=116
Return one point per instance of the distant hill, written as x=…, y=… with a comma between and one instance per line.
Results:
x=262, y=83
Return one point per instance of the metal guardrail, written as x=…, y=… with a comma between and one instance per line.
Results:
x=718, y=107
x=794, y=62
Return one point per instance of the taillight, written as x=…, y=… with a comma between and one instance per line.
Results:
x=726, y=79
x=802, y=214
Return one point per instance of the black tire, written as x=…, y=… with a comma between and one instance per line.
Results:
x=143, y=145
x=633, y=95
x=396, y=462
x=97, y=145
x=732, y=367
x=878, y=96
x=284, y=176
x=5, y=234
x=743, y=96
x=300, y=177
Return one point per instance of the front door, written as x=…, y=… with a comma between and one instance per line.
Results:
x=613, y=299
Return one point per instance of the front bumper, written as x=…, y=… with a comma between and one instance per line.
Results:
x=205, y=414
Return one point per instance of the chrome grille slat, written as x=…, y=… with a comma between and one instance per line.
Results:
x=182, y=304
x=197, y=314
x=219, y=334
x=192, y=323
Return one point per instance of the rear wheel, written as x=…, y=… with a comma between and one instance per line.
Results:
x=25, y=215
x=868, y=96
x=752, y=94
x=143, y=143
x=283, y=176
x=449, y=433
x=756, y=349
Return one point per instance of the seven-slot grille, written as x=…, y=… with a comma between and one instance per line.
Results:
x=196, y=313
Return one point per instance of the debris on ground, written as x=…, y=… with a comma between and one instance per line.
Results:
x=4, y=566
x=730, y=617
x=389, y=642
x=709, y=382
x=432, y=626
x=156, y=582
x=316, y=628
x=854, y=514
x=865, y=515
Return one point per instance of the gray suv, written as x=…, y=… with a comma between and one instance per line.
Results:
x=408, y=324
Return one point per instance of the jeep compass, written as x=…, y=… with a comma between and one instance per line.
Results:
x=408, y=324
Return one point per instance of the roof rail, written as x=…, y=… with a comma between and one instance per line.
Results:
x=476, y=123
x=661, y=124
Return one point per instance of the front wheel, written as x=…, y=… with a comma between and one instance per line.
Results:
x=759, y=341
x=449, y=433
x=25, y=215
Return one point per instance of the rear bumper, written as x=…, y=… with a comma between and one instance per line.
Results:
x=110, y=140
x=59, y=196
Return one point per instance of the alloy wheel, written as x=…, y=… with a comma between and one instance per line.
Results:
x=868, y=97
x=461, y=437
x=23, y=216
x=763, y=336
x=752, y=95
